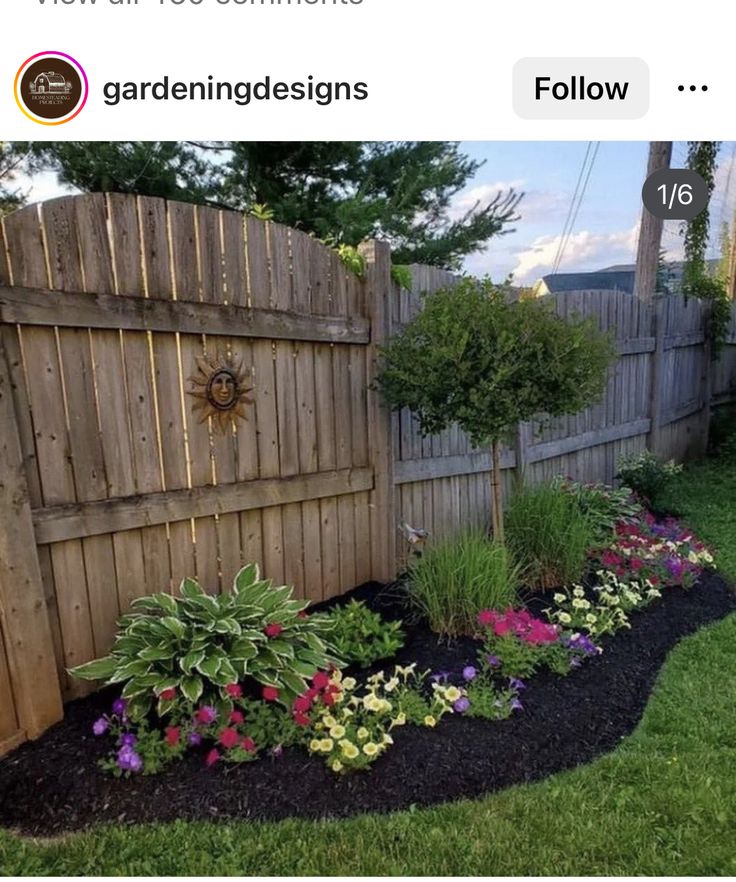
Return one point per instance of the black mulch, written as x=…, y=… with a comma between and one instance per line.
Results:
x=54, y=785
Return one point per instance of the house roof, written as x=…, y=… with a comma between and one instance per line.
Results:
x=609, y=280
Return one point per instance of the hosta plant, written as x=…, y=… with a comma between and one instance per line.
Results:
x=194, y=646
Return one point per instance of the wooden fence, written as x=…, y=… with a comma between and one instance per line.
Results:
x=110, y=487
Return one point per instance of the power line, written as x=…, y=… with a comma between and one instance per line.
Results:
x=577, y=200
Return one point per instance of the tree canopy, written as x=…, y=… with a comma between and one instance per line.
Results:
x=474, y=357
x=341, y=191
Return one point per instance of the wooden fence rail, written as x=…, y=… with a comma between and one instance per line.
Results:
x=111, y=487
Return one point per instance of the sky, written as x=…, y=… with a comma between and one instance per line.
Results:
x=606, y=228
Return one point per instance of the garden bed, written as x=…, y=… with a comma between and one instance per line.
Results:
x=55, y=785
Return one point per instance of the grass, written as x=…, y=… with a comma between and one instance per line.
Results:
x=454, y=580
x=549, y=536
x=704, y=496
x=663, y=803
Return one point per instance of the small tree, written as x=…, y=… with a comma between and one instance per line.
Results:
x=474, y=358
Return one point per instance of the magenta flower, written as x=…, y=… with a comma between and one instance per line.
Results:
x=206, y=715
x=100, y=726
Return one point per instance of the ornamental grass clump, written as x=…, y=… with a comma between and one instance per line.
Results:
x=454, y=579
x=197, y=646
x=549, y=536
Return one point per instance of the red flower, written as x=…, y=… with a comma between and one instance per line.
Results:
x=301, y=719
x=312, y=693
x=234, y=690
x=172, y=735
x=329, y=699
x=486, y=617
x=273, y=630
x=248, y=744
x=320, y=680
x=237, y=717
x=302, y=614
x=228, y=738
x=168, y=694
x=302, y=704
x=212, y=757
x=270, y=693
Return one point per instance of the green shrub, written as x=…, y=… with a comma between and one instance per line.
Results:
x=198, y=645
x=647, y=475
x=362, y=636
x=604, y=506
x=549, y=536
x=455, y=579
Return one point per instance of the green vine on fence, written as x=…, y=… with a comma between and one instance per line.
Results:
x=702, y=158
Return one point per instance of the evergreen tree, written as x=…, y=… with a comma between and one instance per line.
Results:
x=341, y=191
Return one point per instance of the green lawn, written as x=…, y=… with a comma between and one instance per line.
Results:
x=663, y=804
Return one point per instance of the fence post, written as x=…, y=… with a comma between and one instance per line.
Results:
x=23, y=614
x=656, y=396
x=380, y=442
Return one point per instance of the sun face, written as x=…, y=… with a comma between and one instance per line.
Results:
x=220, y=391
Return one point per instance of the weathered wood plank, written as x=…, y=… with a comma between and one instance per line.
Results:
x=409, y=471
x=61, y=522
x=34, y=306
x=23, y=616
x=563, y=446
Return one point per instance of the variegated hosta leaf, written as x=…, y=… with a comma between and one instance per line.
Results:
x=199, y=644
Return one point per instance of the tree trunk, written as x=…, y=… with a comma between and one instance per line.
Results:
x=496, y=493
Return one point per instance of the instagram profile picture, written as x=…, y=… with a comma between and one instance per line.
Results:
x=51, y=88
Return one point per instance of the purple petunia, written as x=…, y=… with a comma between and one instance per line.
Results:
x=494, y=661
x=575, y=662
x=100, y=726
x=441, y=676
x=516, y=705
x=461, y=705
x=469, y=673
x=119, y=706
x=582, y=643
x=277, y=751
x=194, y=739
x=129, y=760
x=516, y=684
x=128, y=740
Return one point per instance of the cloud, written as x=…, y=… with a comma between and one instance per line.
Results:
x=585, y=251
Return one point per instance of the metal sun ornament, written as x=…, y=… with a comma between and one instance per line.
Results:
x=220, y=391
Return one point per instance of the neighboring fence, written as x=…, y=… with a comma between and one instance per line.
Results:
x=110, y=488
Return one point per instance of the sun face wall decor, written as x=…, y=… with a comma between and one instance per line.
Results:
x=220, y=391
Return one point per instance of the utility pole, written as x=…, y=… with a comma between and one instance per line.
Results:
x=731, y=281
x=650, y=232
